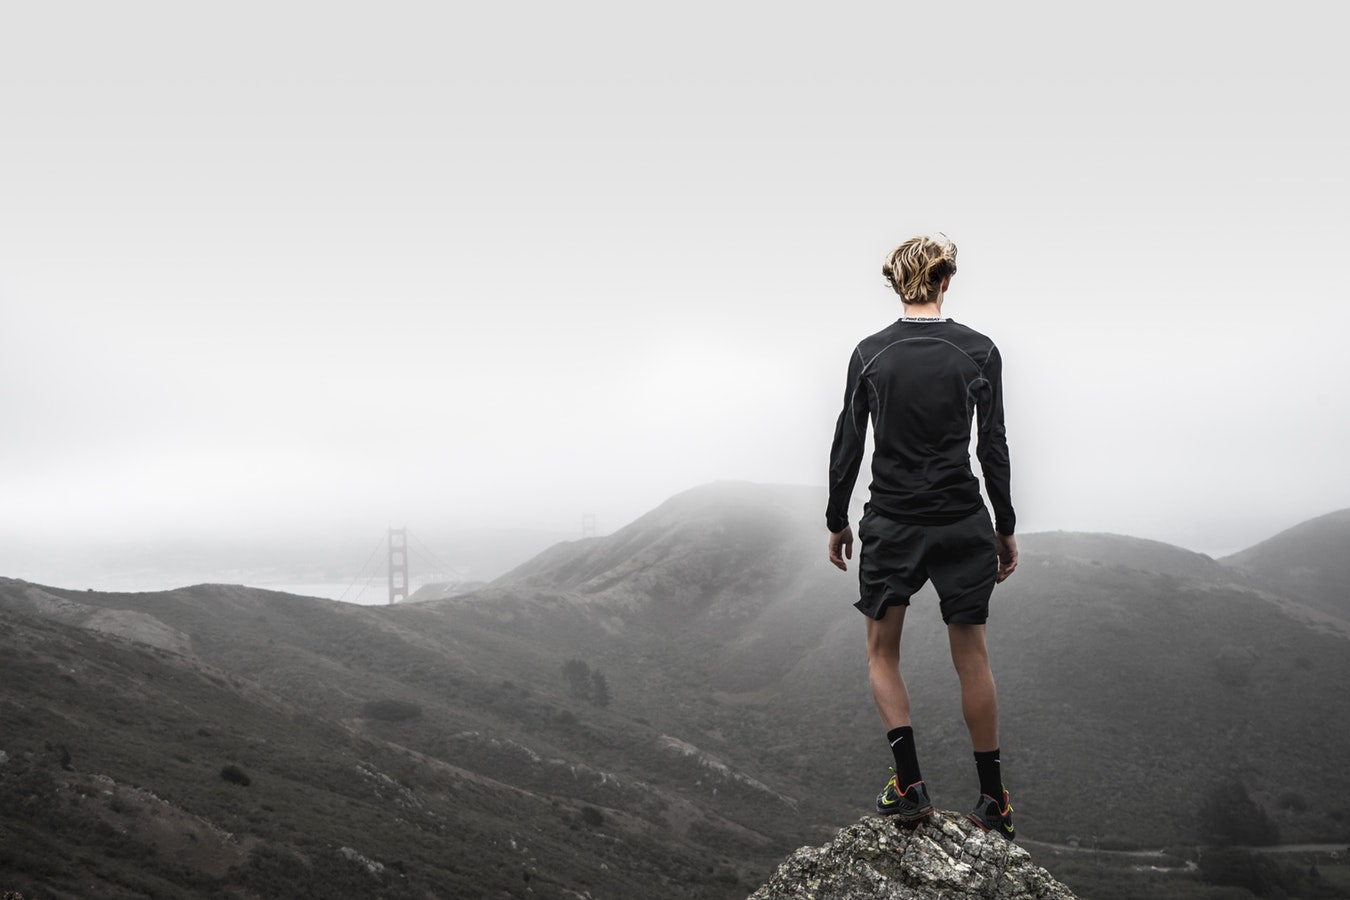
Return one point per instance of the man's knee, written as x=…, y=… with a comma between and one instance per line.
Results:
x=969, y=651
x=883, y=636
x=883, y=650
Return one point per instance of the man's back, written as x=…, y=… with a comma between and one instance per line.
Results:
x=920, y=381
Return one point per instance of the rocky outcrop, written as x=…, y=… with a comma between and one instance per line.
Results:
x=945, y=858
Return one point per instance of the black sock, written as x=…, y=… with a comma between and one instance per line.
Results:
x=991, y=778
x=906, y=756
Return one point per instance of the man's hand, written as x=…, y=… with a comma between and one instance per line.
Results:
x=1007, y=556
x=841, y=547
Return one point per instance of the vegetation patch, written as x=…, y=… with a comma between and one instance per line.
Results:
x=586, y=683
x=235, y=775
x=390, y=710
x=1229, y=817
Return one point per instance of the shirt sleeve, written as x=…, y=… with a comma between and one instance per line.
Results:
x=846, y=453
x=992, y=447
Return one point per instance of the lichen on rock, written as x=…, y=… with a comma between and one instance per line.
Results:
x=944, y=858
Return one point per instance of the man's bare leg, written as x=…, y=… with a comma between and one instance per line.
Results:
x=883, y=667
x=979, y=705
x=904, y=795
x=979, y=697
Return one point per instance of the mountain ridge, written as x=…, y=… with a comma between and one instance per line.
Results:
x=1307, y=560
x=733, y=661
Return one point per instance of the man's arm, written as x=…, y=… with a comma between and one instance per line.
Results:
x=846, y=452
x=1006, y=546
x=992, y=449
x=840, y=547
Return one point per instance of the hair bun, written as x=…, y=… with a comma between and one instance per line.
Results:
x=917, y=267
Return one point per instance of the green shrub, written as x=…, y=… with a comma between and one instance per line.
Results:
x=578, y=676
x=235, y=775
x=586, y=683
x=1254, y=872
x=599, y=688
x=1294, y=802
x=1229, y=816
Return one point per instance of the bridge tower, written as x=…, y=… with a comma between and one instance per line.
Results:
x=398, y=565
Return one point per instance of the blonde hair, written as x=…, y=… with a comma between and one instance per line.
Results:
x=917, y=267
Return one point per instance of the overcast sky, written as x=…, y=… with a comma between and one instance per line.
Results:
x=302, y=268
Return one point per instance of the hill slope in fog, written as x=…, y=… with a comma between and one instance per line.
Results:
x=445, y=761
x=1309, y=561
x=439, y=746
x=1128, y=668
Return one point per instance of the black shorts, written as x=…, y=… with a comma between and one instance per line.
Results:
x=897, y=559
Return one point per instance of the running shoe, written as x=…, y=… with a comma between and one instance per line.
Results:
x=991, y=816
x=910, y=806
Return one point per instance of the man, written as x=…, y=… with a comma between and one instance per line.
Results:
x=921, y=381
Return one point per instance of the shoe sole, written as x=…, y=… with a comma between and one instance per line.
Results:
x=906, y=817
x=987, y=830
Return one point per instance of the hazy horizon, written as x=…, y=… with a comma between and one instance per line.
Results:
x=347, y=567
x=299, y=273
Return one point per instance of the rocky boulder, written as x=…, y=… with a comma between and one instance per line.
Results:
x=944, y=858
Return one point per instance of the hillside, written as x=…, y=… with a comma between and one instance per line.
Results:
x=724, y=582
x=440, y=760
x=1178, y=669
x=721, y=720
x=1308, y=561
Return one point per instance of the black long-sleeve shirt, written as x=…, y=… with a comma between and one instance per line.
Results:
x=922, y=382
